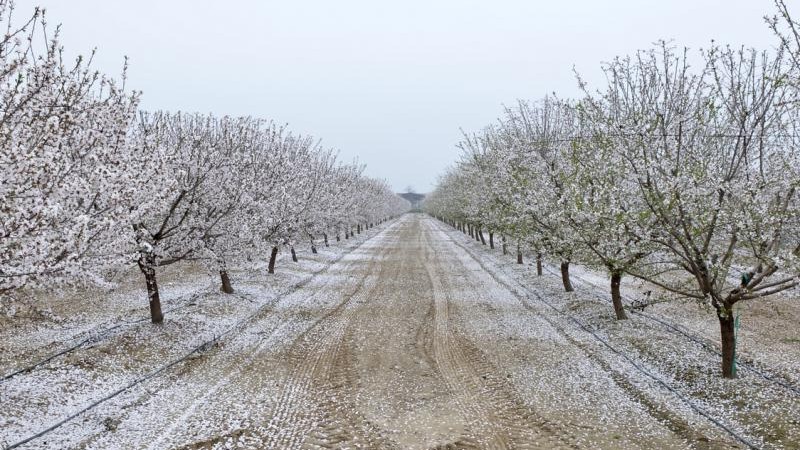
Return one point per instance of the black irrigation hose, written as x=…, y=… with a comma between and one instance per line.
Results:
x=94, y=337
x=617, y=352
x=200, y=348
x=675, y=329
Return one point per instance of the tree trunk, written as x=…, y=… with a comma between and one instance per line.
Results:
x=294, y=254
x=313, y=249
x=505, y=246
x=338, y=238
x=325, y=237
x=272, y=257
x=491, y=240
x=226, y=282
x=565, y=276
x=480, y=235
x=727, y=329
x=519, y=255
x=539, y=264
x=149, y=271
x=616, y=298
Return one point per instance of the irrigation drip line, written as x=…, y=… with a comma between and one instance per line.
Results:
x=676, y=329
x=605, y=343
x=199, y=348
x=95, y=337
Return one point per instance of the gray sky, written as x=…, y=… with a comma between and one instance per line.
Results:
x=389, y=84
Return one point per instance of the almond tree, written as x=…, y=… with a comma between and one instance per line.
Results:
x=706, y=153
x=229, y=202
x=538, y=133
x=182, y=208
x=65, y=178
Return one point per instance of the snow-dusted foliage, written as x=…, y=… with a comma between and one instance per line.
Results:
x=89, y=186
x=683, y=177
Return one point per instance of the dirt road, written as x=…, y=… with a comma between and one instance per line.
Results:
x=407, y=342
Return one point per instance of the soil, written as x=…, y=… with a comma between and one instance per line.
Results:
x=407, y=342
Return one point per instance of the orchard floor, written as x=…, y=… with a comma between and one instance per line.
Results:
x=415, y=338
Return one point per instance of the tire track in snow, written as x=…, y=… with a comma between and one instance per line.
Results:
x=246, y=362
x=496, y=418
x=312, y=398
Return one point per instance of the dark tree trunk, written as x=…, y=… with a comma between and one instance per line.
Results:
x=226, y=282
x=147, y=266
x=539, y=264
x=616, y=297
x=505, y=246
x=728, y=332
x=480, y=235
x=325, y=237
x=313, y=249
x=294, y=254
x=347, y=234
x=469, y=231
x=565, y=276
x=491, y=240
x=338, y=238
x=519, y=255
x=272, y=257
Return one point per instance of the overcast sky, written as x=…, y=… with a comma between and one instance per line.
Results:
x=388, y=83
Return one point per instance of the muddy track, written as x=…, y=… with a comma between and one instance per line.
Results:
x=221, y=373
x=497, y=419
x=314, y=407
x=312, y=357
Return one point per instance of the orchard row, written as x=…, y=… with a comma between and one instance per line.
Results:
x=684, y=176
x=91, y=185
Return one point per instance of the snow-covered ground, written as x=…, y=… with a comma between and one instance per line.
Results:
x=67, y=350
x=408, y=336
